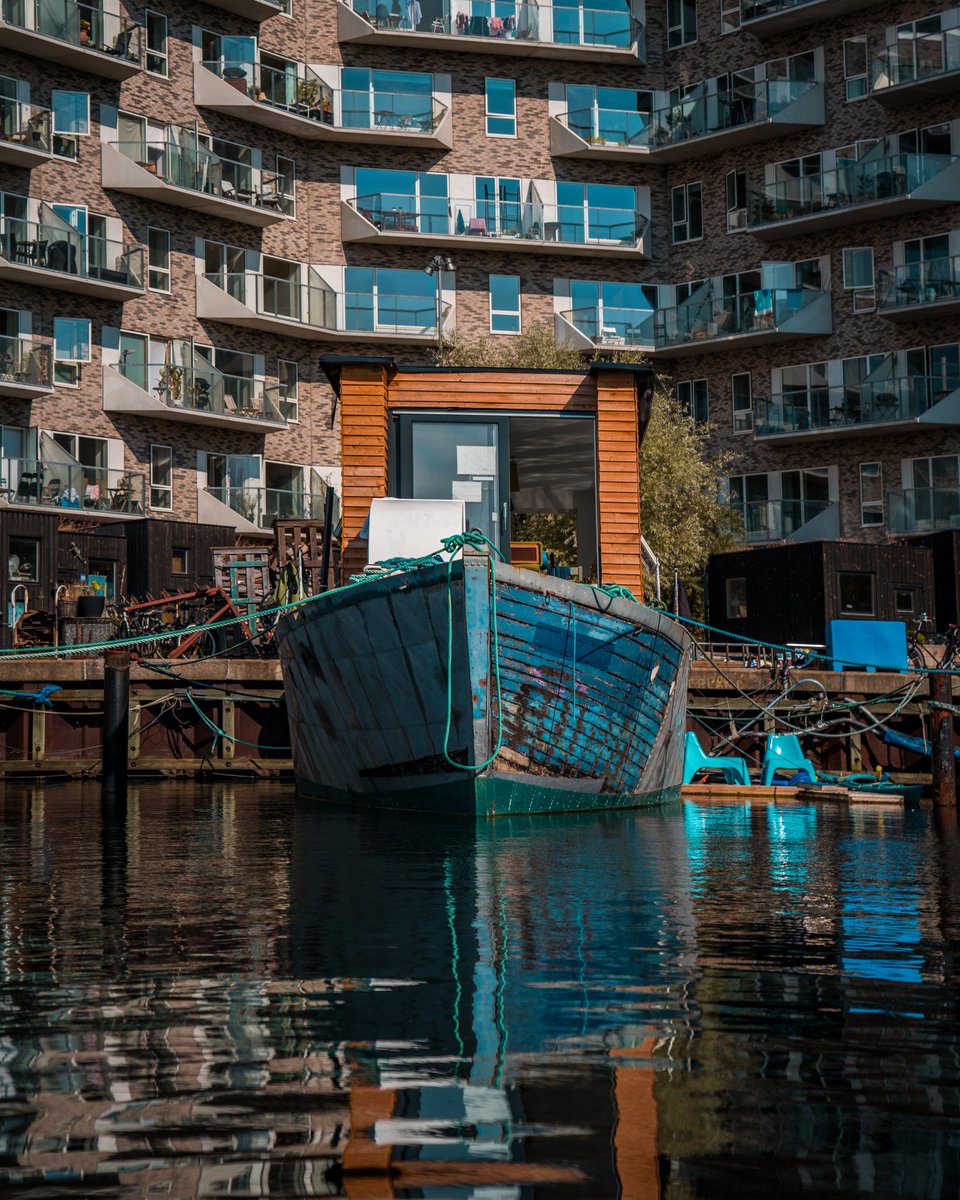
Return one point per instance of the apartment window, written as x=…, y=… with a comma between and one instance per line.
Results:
x=857, y=589
x=871, y=493
x=681, y=23
x=687, y=212
x=855, y=67
x=287, y=184
x=161, y=482
x=71, y=120
x=288, y=374
x=505, y=303
x=729, y=16
x=858, y=267
x=736, y=590
x=501, y=107
x=156, y=24
x=736, y=187
x=158, y=258
x=71, y=339
x=741, y=392
x=692, y=397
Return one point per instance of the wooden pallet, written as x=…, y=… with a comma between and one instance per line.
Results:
x=300, y=542
x=243, y=573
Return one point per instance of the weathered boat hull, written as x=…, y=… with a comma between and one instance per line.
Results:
x=383, y=678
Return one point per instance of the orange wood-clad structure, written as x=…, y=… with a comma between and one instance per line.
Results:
x=373, y=392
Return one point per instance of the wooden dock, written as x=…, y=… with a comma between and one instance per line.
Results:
x=720, y=793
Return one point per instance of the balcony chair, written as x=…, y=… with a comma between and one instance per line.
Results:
x=121, y=45
x=783, y=752
x=29, y=488
x=51, y=492
x=732, y=767
x=477, y=227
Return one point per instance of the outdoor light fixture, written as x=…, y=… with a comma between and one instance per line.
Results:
x=436, y=266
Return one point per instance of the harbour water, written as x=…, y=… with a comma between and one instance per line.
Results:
x=231, y=994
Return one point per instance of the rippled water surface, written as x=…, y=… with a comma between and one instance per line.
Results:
x=231, y=994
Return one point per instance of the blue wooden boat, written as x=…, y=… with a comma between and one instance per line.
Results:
x=483, y=689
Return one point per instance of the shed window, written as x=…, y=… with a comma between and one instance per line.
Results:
x=180, y=560
x=857, y=590
x=24, y=559
x=736, y=598
x=903, y=600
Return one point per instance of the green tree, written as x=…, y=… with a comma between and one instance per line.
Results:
x=682, y=518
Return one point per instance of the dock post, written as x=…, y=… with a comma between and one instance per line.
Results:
x=944, y=763
x=116, y=731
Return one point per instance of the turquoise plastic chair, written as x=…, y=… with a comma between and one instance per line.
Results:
x=784, y=753
x=732, y=767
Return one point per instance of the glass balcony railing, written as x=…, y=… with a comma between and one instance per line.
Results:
x=102, y=28
x=263, y=505
x=777, y=520
x=760, y=311
x=930, y=282
x=631, y=328
x=198, y=169
x=26, y=360
x=309, y=97
x=876, y=402
x=914, y=60
x=575, y=225
x=71, y=485
x=204, y=389
x=608, y=25
x=920, y=510
x=26, y=125
x=754, y=10
x=863, y=182
x=67, y=252
x=320, y=307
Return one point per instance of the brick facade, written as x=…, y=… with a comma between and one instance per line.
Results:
x=310, y=35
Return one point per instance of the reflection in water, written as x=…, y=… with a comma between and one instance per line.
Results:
x=230, y=995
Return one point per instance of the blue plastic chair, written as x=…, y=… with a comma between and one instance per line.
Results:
x=732, y=767
x=783, y=752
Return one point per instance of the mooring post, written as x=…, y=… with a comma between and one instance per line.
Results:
x=941, y=720
x=116, y=732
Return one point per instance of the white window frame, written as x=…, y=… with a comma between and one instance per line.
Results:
x=291, y=404
x=859, y=287
x=167, y=270
x=685, y=188
x=161, y=487
x=505, y=312
x=741, y=418
x=736, y=213
x=857, y=85
x=88, y=341
x=677, y=33
x=489, y=116
x=730, y=11
x=871, y=506
x=690, y=388
x=163, y=54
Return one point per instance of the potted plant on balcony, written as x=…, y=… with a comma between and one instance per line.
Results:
x=171, y=382
x=85, y=28
x=308, y=97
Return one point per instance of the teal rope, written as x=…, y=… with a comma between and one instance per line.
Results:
x=222, y=733
x=496, y=666
x=573, y=622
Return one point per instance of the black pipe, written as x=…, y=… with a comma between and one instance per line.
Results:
x=327, y=537
x=116, y=732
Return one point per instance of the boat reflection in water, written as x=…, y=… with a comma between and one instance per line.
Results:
x=230, y=996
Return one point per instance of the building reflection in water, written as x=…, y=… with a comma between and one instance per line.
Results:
x=226, y=995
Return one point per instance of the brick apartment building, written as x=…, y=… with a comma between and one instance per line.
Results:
x=198, y=202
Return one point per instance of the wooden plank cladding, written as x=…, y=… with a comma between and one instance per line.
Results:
x=370, y=391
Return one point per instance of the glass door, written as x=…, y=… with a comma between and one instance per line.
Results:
x=442, y=457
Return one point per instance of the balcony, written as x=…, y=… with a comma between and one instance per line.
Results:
x=308, y=108
x=200, y=395
x=867, y=190
x=770, y=18
x=914, y=290
x=26, y=133
x=923, y=510
x=26, y=367
x=67, y=486
x=312, y=310
x=253, y=10
x=99, y=38
x=692, y=128
x=789, y=520
x=494, y=225
x=191, y=176
x=606, y=328
x=611, y=33
x=917, y=69
x=32, y=252
x=256, y=508
x=767, y=315
x=897, y=402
